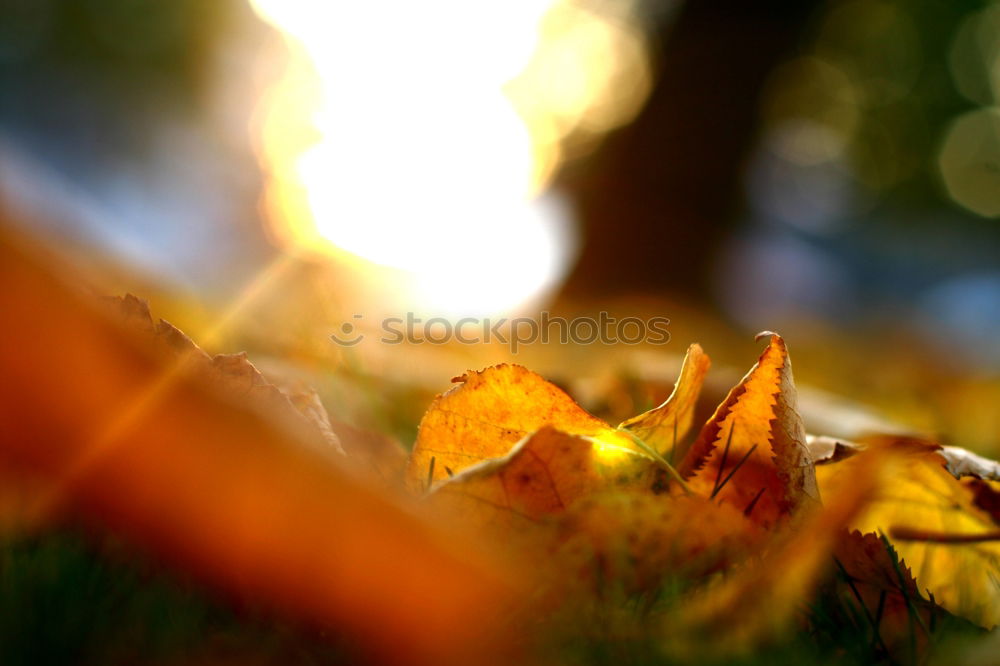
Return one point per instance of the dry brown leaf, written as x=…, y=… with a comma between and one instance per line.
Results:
x=824, y=449
x=486, y=414
x=665, y=427
x=962, y=462
x=296, y=406
x=294, y=403
x=308, y=405
x=752, y=452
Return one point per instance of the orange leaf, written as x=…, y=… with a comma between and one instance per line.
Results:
x=758, y=602
x=545, y=474
x=485, y=415
x=637, y=540
x=121, y=436
x=752, y=453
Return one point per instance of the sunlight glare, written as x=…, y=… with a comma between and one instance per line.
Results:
x=419, y=138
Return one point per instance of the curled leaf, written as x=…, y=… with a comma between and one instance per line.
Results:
x=752, y=453
x=962, y=462
x=665, y=427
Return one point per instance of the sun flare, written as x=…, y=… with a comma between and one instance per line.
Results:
x=410, y=139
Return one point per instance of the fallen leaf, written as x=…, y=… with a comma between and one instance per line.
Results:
x=297, y=406
x=665, y=427
x=752, y=453
x=923, y=497
x=962, y=462
x=636, y=541
x=824, y=449
x=308, y=405
x=543, y=475
x=123, y=439
x=489, y=412
x=759, y=601
x=958, y=461
x=872, y=582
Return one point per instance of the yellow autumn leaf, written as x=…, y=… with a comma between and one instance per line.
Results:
x=665, y=427
x=923, y=498
x=488, y=413
x=752, y=452
x=543, y=475
x=637, y=540
x=589, y=523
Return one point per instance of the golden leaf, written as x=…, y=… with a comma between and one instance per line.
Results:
x=636, y=540
x=665, y=427
x=543, y=475
x=489, y=412
x=923, y=501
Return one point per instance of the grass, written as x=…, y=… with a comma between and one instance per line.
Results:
x=72, y=598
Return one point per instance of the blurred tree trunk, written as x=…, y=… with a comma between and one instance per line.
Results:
x=657, y=197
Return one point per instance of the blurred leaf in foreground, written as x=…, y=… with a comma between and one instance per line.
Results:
x=120, y=435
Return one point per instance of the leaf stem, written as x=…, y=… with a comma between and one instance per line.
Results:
x=918, y=534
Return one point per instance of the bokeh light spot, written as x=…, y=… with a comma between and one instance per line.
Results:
x=970, y=161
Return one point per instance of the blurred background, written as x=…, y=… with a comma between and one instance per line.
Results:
x=830, y=170
x=268, y=173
